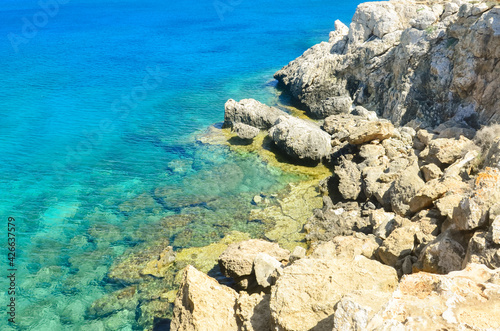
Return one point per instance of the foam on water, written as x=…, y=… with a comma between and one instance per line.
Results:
x=87, y=173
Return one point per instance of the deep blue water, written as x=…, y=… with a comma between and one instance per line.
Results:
x=100, y=102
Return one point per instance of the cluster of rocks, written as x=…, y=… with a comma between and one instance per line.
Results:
x=410, y=219
x=408, y=237
x=298, y=138
x=333, y=288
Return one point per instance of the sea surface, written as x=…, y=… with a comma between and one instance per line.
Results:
x=100, y=105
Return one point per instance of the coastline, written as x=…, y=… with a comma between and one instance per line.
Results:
x=398, y=205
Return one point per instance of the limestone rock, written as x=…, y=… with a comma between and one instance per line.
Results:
x=370, y=131
x=398, y=245
x=448, y=53
x=495, y=230
x=473, y=209
x=350, y=315
x=493, y=156
x=300, y=139
x=333, y=221
x=346, y=247
x=250, y=112
x=245, y=131
x=297, y=254
x=460, y=300
x=334, y=105
x=265, y=266
x=253, y=312
x=431, y=171
x=371, y=153
x=441, y=256
x=202, y=302
x=305, y=296
x=482, y=249
x=446, y=151
x=405, y=188
x=238, y=259
x=342, y=125
x=349, y=179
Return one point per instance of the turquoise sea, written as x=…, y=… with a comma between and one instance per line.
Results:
x=100, y=104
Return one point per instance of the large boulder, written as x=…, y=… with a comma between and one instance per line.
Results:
x=202, y=302
x=305, y=296
x=483, y=249
x=398, y=245
x=301, y=139
x=250, y=112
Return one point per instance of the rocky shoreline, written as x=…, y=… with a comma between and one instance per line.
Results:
x=407, y=233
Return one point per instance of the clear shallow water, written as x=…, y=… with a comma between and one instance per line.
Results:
x=98, y=109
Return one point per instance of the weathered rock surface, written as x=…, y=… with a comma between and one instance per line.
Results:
x=306, y=294
x=300, y=139
x=252, y=113
x=472, y=211
x=237, y=261
x=349, y=179
x=266, y=269
x=346, y=247
x=203, y=303
x=245, y=131
x=451, y=56
x=405, y=188
x=398, y=245
x=370, y=131
x=253, y=312
x=461, y=300
x=482, y=249
x=441, y=256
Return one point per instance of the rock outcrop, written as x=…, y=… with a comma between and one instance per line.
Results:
x=424, y=61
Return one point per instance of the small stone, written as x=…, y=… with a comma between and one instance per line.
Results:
x=297, y=254
x=257, y=199
x=264, y=267
x=431, y=171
